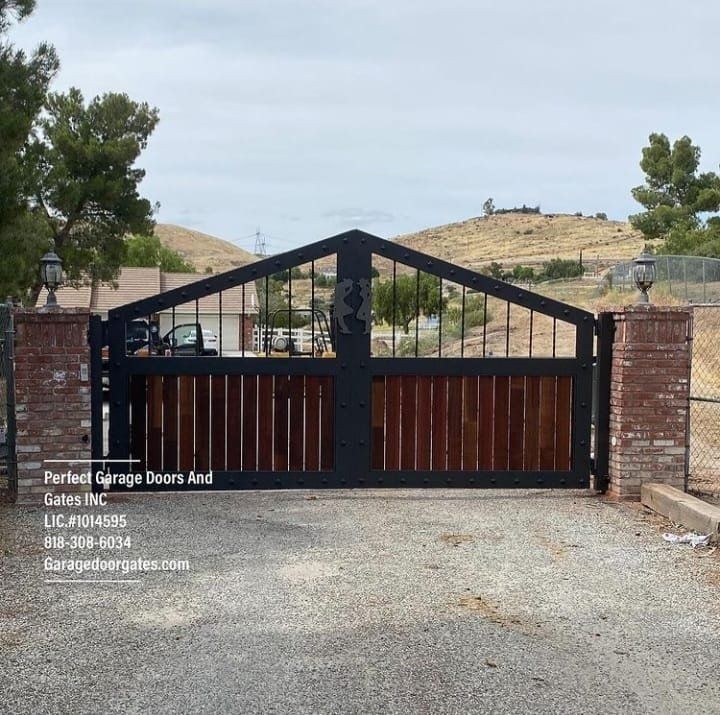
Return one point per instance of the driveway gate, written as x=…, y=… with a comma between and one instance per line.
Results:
x=354, y=418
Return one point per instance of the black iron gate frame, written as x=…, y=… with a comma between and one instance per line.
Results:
x=353, y=369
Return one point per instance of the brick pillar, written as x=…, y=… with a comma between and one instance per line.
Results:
x=52, y=393
x=649, y=398
x=247, y=327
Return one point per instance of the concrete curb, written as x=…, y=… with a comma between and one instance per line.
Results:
x=681, y=508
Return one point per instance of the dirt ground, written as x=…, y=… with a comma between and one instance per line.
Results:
x=366, y=602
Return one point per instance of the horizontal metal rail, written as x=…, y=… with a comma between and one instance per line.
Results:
x=222, y=480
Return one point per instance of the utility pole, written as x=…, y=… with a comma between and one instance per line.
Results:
x=260, y=245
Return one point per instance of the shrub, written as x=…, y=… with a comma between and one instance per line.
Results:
x=560, y=268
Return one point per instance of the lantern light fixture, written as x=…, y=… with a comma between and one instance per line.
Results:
x=644, y=273
x=51, y=274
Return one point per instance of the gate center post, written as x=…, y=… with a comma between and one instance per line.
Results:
x=354, y=380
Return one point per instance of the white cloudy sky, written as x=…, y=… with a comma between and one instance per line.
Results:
x=307, y=117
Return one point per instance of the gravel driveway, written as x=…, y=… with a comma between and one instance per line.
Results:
x=368, y=602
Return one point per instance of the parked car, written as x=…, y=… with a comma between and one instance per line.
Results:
x=210, y=341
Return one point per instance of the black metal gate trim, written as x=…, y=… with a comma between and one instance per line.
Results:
x=354, y=368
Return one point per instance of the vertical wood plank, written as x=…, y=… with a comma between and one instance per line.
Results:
x=424, y=422
x=250, y=422
x=408, y=421
x=392, y=422
x=280, y=424
x=517, y=422
x=563, y=418
x=546, y=436
x=187, y=422
x=297, y=422
x=378, y=422
x=138, y=416
x=312, y=424
x=439, y=422
x=155, y=439
x=501, y=423
x=170, y=422
x=218, y=415
x=327, y=424
x=234, y=422
x=455, y=417
x=470, y=423
x=486, y=412
x=261, y=415
x=532, y=423
x=202, y=422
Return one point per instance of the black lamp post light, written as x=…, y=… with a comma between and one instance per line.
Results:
x=644, y=274
x=51, y=274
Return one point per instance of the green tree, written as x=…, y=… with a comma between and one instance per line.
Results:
x=149, y=251
x=406, y=305
x=494, y=270
x=676, y=196
x=488, y=207
x=430, y=299
x=86, y=181
x=24, y=81
x=523, y=273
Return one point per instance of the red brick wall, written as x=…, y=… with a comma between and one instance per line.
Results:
x=649, y=398
x=52, y=402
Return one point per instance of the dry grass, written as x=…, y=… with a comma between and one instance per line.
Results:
x=528, y=239
x=203, y=250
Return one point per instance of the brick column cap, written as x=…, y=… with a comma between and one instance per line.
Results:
x=56, y=314
x=645, y=311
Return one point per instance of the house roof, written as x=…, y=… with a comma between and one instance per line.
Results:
x=137, y=283
x=232, y=298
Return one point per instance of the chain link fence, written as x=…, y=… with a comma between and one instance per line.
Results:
x=688, y=278
x=704, y=456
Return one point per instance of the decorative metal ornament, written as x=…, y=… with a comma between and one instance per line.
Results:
x=343, y=309
x=364, y=313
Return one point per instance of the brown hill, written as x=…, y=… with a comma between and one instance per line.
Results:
x=528, y=239
x=203, y=250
